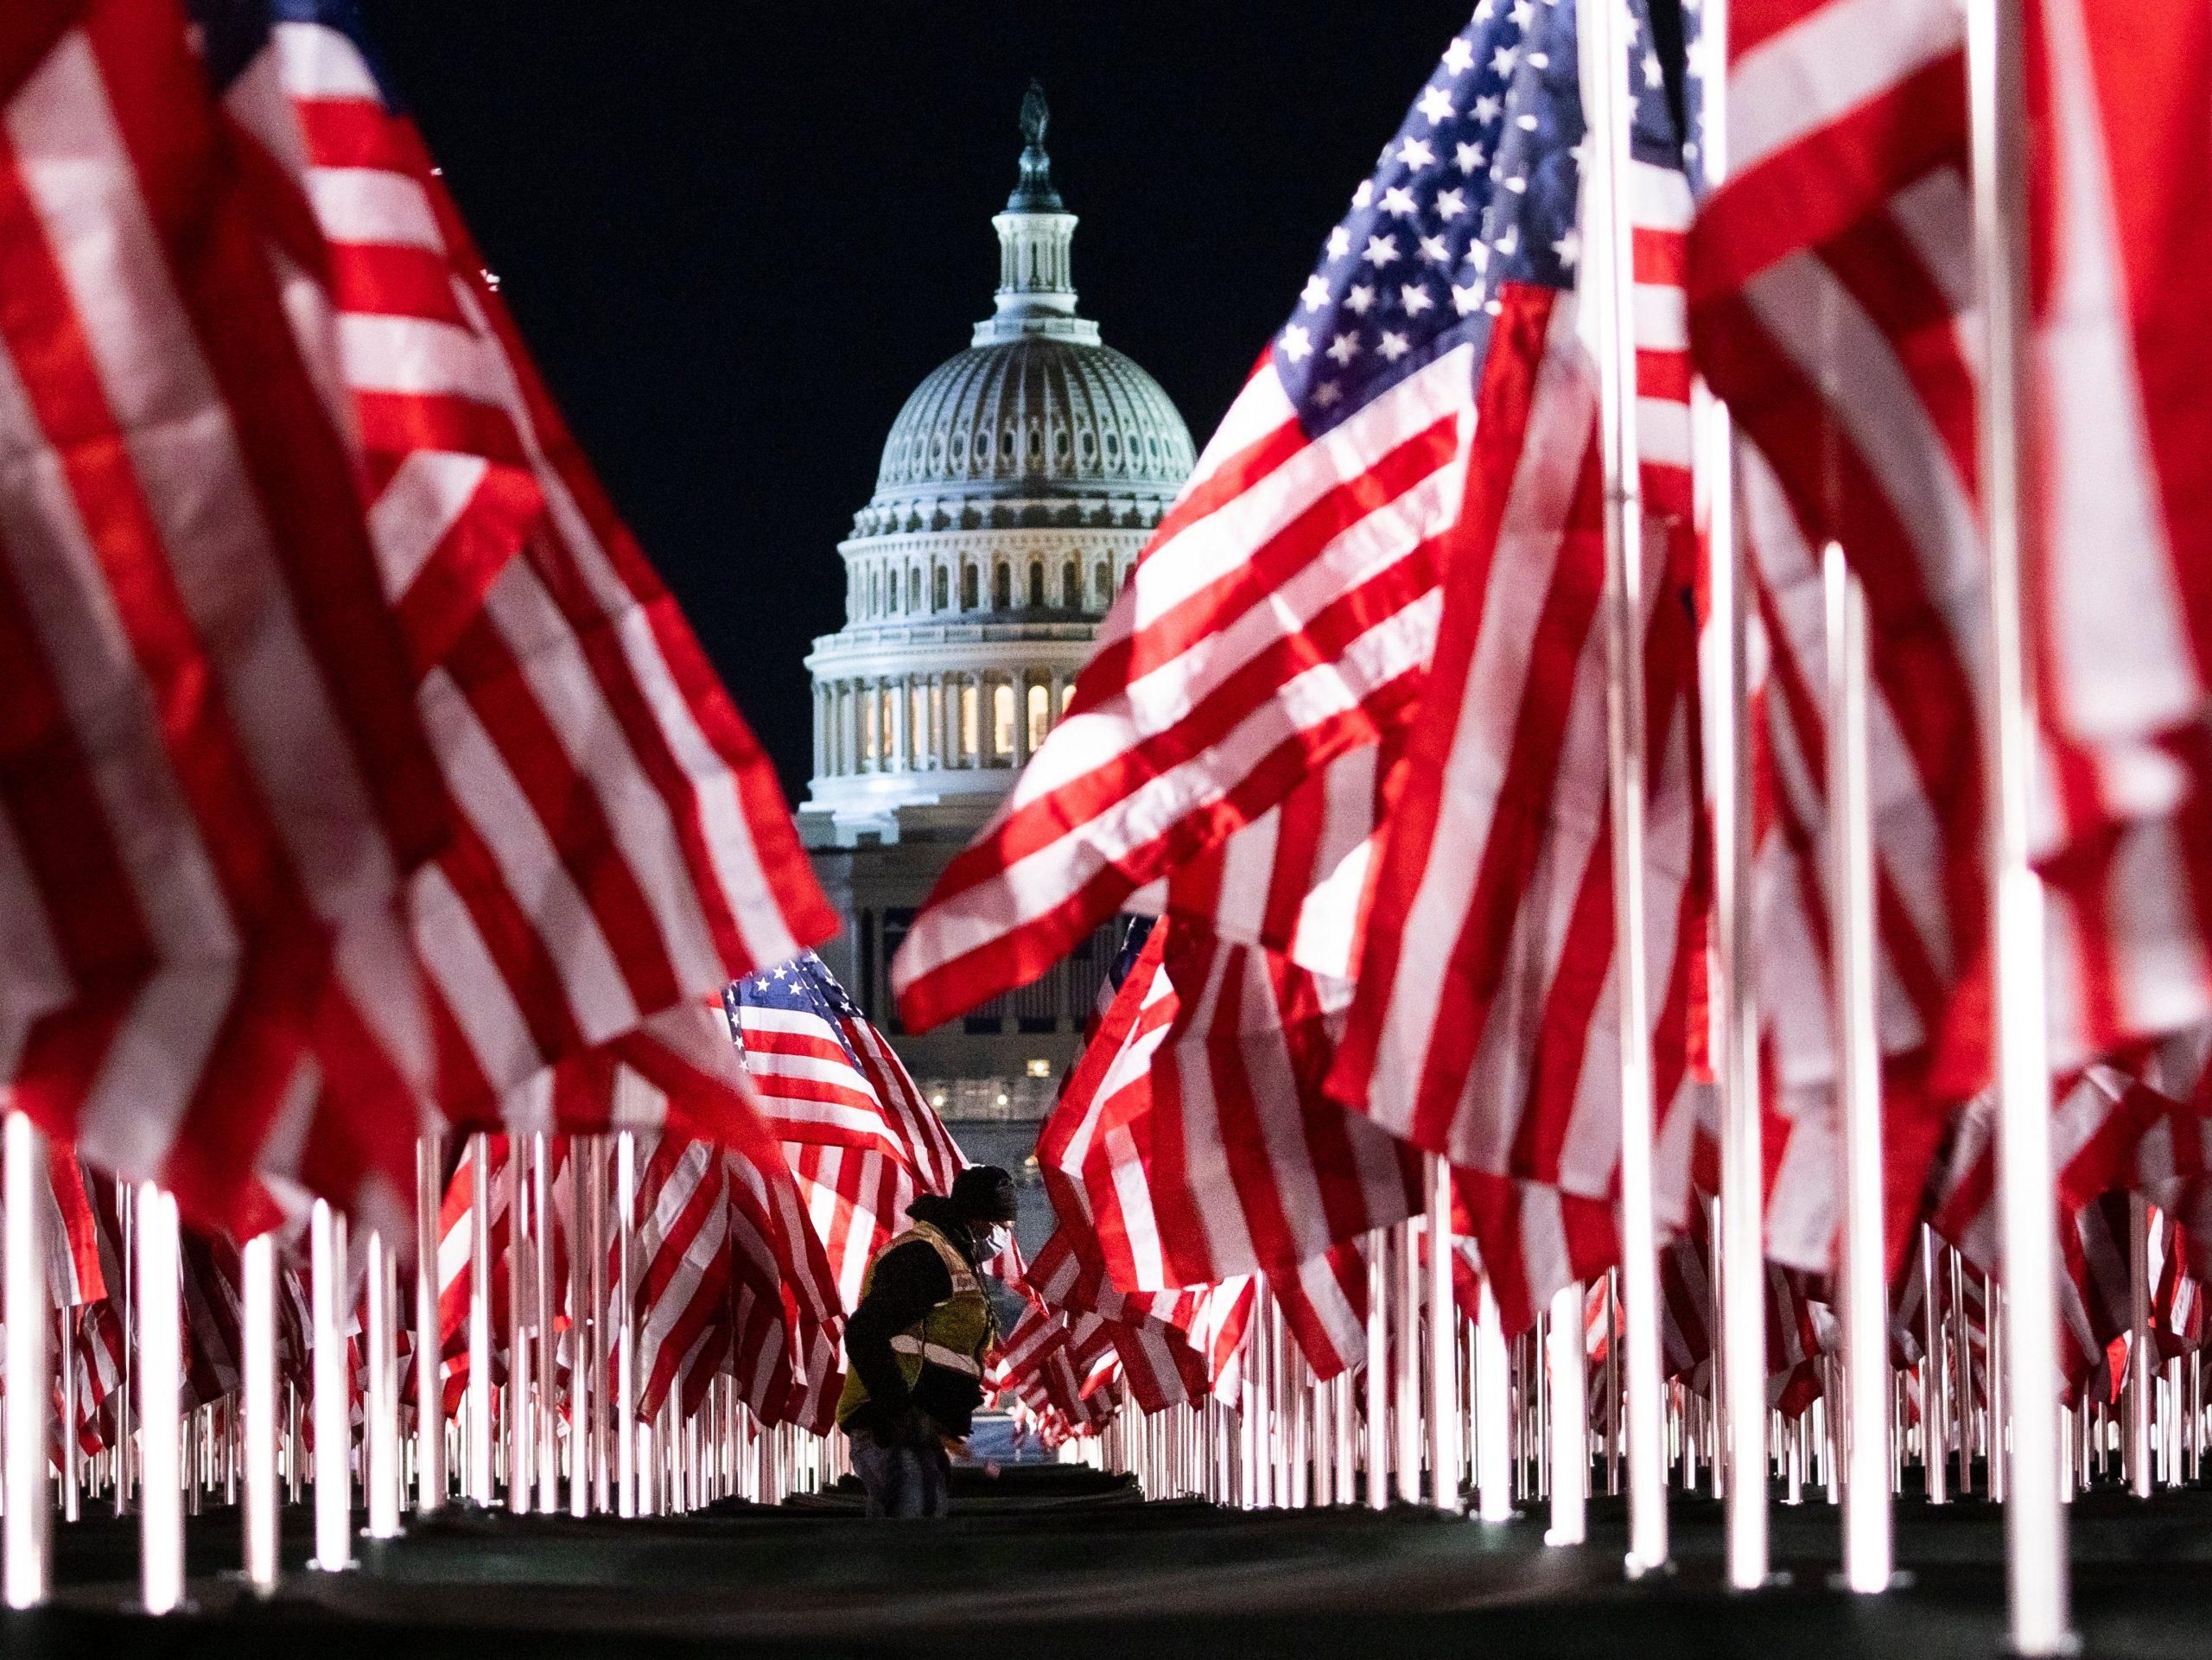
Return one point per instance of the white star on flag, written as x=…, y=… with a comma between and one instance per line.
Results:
x=1459, y=57
x=1415, y=299
x=1415, y=153
x=1399, y=201
x=1436, y=104
x=1380, y=251
x=1316, y=293
x=1345, y=347
x=1298, y=342
x=1393, y=346
x=1450, y=204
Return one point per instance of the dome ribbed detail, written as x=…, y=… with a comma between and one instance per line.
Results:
x=1033, y=421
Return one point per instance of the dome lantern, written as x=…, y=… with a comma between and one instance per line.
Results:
x=1036, y=272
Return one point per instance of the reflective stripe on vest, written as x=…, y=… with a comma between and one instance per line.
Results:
x=938, y=1354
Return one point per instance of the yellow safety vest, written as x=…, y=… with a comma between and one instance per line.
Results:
x=956, y=1334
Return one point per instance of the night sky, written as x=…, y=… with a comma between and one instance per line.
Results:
x=738, y=235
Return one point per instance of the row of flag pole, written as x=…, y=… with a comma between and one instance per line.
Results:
x=1838, y=356
x=1666, y=739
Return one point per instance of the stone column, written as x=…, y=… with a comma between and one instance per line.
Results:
x=821, y=734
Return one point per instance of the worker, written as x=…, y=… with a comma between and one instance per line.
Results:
x=915, y=1347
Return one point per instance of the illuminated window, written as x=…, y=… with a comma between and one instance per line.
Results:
x=937, y=722
x=890, y=726
x=1041, y=1069
x=917, y=725
x=1067, y=696
x=1040, y=714
x=1002, y=720
x=970, y=741
x=867, y=726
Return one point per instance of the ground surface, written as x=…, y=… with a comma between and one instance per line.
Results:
x=1045, y=1570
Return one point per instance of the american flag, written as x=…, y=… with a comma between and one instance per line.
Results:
x=1832, y=304
x=861, y=1157
x=1287, y=607
x=1193, y=1143
x=216, y=784
x=1485, y=1025
x=622, y=847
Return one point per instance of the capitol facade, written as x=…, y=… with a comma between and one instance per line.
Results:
x=1017, y=486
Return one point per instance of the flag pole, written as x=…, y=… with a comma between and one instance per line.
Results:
x=2035, y=1525
x=601, y=1454
x=2140, y=1361
x=1493, y=1410
x=257, y=1318
x=1570, y=1420
x=1868, y=1549
x=541, y=1304
x=479, y=1320
x=28, y=1568
x=1377, y=1377
x=1609, y=262
x=1741, y=1212
x=429, y=1369
x=583, y=1242
x=334, y=1496
x=380, y=1410
x=519, y=1442
x=1405, y=1297
x=1444, y=1420
x=625, y=1334
x=160, y=1352
x=1935, y=1400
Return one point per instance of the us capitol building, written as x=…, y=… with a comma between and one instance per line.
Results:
x=1018, y=485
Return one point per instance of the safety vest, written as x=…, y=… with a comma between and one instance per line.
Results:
x=954, y=1335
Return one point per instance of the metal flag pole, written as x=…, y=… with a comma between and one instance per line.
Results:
x=334, y=1496
x=28, y=1568
x=1406, y=1299
x=601, y=1452
x=1609, y=242
x=583, y=1243
x=429, y=1378
x=380, y=1411
x=72, y=1455
x=1493, y=1411
x=159, y=1350
x=1741, y=1212
x=1376, y=1376
x=1444, y=1420
x=257, y=1318
x=2035, y=1527
x=520, y=1443
x=542, y=1312
x=1342, y=1444
x=1935, y=1403
x=625, y=1333
x=1570, y=1421
x=1868, y=1553
x=479, y=1321
x=2140, y=1359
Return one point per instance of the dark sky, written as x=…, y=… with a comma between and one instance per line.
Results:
x=738, y=233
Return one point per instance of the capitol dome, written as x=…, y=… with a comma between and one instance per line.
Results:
x=1031, y=429
x=1017, y=487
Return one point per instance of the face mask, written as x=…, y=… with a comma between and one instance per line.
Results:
x=990, y=1240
